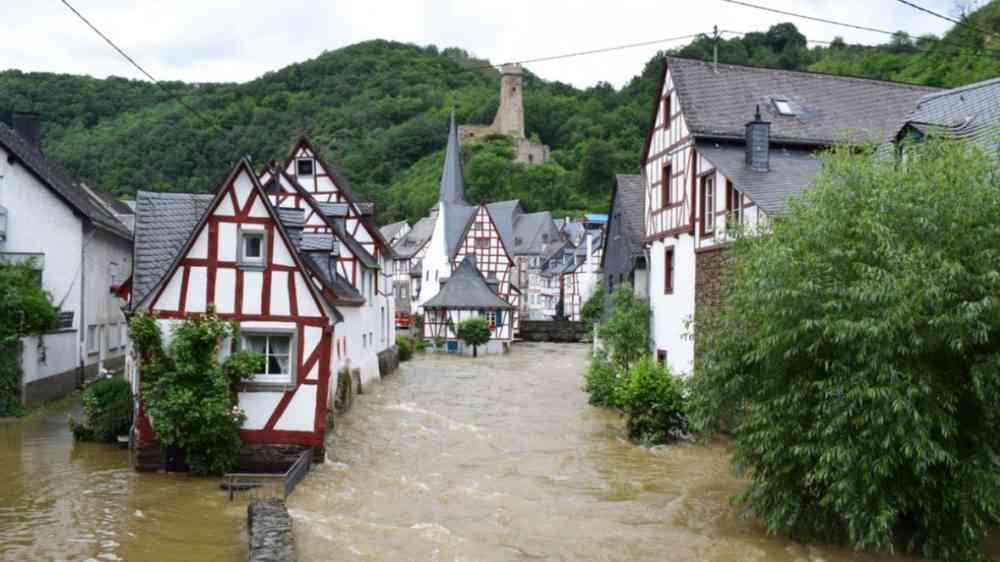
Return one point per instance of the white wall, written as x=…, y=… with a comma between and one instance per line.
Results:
x=107, y=261
x=58, y=349
x=671, y=312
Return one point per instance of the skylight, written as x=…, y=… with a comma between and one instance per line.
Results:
x=783, y=107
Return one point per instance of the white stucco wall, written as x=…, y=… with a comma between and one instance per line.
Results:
x=107, y=261
x=672, y=311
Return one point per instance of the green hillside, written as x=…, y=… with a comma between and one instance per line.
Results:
x=379, y=110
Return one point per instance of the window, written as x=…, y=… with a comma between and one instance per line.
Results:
x=304, y=167
x=734, y=203
x=482, y=243
x=65, y=320
x=666, y=111
x=92, y=341
x=491, y=275
x=665, y=185
x=499, y=319
x=668, y=271
x=252, y=247
x=708, y=204
x=277, y=352
x=661, y=357
x=783, y=107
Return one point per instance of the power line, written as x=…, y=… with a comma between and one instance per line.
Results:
x=607, y=49
x=946, y=18
x=138, y=66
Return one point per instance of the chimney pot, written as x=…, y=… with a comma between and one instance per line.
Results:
x=758, y=143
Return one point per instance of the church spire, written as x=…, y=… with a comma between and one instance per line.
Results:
x=452, y=186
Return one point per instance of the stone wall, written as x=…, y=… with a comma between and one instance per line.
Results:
x=269, y=527
x=708, y=278
x=552, y=330
x=388, y=361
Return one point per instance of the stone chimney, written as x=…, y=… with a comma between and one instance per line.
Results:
x=758, y=143
x=510, y=117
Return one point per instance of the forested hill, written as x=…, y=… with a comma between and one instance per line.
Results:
x=379, y=110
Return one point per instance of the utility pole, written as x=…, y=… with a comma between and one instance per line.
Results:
x=715, y=49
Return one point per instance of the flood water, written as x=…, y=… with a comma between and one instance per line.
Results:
x=501, y=458
x=451, y=459
x=61, y=500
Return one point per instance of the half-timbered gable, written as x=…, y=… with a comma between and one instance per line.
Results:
x=483, y=242
x=464, y=295
x=409, y=252
x=241, y=260
x=727, y=146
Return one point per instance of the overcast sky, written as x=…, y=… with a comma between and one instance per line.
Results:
x=238, y=40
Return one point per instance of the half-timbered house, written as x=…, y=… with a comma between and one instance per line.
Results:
x=728, y=145
x=236, y=253
x=409, y=254
x=360, y=258
x=466, y=294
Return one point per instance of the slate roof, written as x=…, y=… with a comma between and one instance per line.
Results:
x=163, y=224
x=415, y=239
x=529, y=229
x=324, y=265
x=355, y=247
x=504, y=214
x=456, y=220
x=116, y=205
x=830, y=109
x=467, y=289
x=452, y=188
x=628, y=189
x=291, y=218
x=971, y=113
x=335, y=210
x=390, y=231
x=55, y=177
x=319, y=242
x=366, y=208
x=791, y=171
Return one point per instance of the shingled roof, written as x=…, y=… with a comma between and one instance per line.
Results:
x=626, y=203
x=829, y=109
x=390, y=231
x=971, y=113
x=55, y=178
x=467, y=289
x=163, y=224
x=415, y=239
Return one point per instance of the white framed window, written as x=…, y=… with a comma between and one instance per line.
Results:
x=708, y=204
x=278, y=350
x=92, y=341
x=253, y=247
x=304, y=167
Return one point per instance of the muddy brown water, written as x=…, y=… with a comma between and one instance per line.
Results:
x=452, y=459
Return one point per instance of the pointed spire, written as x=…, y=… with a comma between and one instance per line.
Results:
x=452, y=186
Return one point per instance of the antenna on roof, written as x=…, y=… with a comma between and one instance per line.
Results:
x=715, y=49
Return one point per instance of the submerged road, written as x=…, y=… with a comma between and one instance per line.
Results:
x=501, y=458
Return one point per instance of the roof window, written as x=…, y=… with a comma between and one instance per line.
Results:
x=783, y=106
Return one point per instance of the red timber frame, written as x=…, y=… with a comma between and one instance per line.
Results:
x=298, y=315
x=482, y=240
x=570, y=288
x=436, y=322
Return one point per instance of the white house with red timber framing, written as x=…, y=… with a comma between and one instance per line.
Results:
x=359, y=264
x=236, y=253
x=730, y=145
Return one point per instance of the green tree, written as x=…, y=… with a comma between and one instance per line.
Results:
x=625, y=334
x=653, y=403
x=474, y=331
x=188, y=394
x=593, y=307
x=856, y=356
x=24, y=309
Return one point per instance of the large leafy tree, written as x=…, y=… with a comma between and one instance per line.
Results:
x=856, y=356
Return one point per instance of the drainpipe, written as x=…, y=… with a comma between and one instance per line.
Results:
x=83, y=310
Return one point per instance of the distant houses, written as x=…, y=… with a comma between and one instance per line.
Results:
x=727, y=147
x=80, y=245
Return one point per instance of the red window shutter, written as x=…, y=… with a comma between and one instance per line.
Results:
x=668, y=172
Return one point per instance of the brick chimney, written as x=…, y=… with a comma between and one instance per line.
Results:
x=758, y=143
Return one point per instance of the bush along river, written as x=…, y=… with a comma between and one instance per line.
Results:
x=495, y=458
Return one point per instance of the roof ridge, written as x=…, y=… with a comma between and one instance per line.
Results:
x=958, y=90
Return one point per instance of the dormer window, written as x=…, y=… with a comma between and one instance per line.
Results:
x=783, y=106
x=252, y=247
x=304, y=167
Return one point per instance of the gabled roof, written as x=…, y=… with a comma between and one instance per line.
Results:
x=115, y=205
x=829, y=109
x=504, y=214
x=452, y=184
x=163, y=224
x=415, y=239
x=529, y=229
x=467, y=289
x=971, y=113
x=456, y=221
x=627, y=199
x=55, y=178
x=790, y=173
x=340, y=180
x=390, y=231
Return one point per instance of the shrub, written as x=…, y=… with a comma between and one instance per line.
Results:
x=859, y=347
x=626, y=333
x=188, y=394
x=474, y=331
x=420, y=345
x=653, y=402
x=24, y=309
x=405, y=348
x=107, y=411
x=600, y=382
x=593, y=308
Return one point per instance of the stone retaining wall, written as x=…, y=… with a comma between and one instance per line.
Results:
x=269, y=527
x=552, y=330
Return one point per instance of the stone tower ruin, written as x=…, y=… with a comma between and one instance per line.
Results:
x=509, y=119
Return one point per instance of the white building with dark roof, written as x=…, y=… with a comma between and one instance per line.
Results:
x=728, y=145
x=79, y=249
